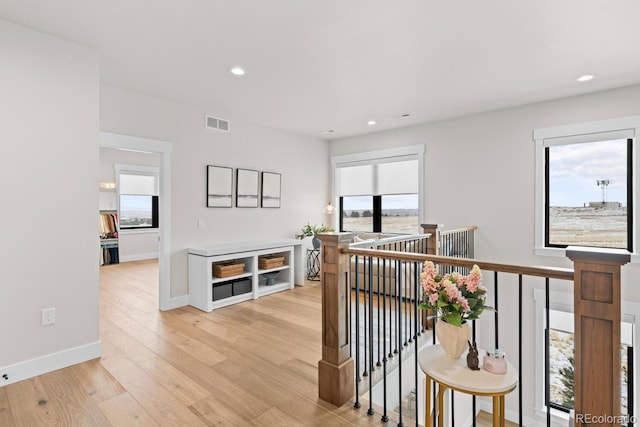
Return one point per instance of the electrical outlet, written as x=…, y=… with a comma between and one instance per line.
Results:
x=48, y=316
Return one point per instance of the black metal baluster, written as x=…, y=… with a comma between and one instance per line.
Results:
x=473, y=397
x=409, y=298
x=456, y=248
x=451, y=251
x=433, y=393
x=630, y=384
x=520, y=349
x=547, y=368
x=370, y=349
x=415, y=346
x=417, y=297
x=366, y=281
x=379, y=362
x=400, y=423
x=453, y=409
x=357, y=332
x=407, y=330
x=384, y=417
x=495, y=313
x=392, y=295
x=466, y=243
x=398, y=302
x=350, y=307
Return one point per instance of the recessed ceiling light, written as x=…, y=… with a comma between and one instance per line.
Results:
x=327, y=131
x=585, y=78
x=237, y=71
x=371, y=122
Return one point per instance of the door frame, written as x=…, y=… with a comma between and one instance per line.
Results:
x=164, y=149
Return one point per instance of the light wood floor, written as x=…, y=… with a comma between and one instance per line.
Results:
x=253, y=363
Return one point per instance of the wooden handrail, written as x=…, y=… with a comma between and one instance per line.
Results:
x=550, y=272
x=387, y=240
x=458, y=230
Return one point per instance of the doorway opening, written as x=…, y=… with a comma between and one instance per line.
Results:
x=154, y=155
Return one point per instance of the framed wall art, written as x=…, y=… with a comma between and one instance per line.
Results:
x=219, y=187
x=271, y=185
x=247, y=188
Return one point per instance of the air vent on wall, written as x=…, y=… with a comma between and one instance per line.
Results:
x=216, y=123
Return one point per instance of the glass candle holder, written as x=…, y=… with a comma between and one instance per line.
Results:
x=495, y=362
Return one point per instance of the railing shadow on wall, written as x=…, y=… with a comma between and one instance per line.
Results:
x=372, y=323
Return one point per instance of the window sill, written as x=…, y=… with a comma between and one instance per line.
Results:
x=126, y=231
x=562, y=253
x=557, y=417
x=556, y=252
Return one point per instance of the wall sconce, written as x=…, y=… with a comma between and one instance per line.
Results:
x=105, y=185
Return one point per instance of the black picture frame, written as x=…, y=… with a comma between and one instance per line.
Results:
x=247, y=188
x=270, y=196
x=219, y=186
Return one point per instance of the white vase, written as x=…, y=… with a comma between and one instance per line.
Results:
x=453, y=339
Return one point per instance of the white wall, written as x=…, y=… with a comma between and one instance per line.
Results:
x=137, y=245
x=301, y=160
x=48, y=167
x=479, y=170
x=132, y=244
x=110, y=156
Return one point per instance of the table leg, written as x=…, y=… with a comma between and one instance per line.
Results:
x=427, y=403
x=496, y=411
x=441, y=390
x=502, y=422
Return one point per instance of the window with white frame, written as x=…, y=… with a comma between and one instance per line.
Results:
x=379, y=191
x=561, y=354
x=585, y=185
x=137, y=197
x=588, y=194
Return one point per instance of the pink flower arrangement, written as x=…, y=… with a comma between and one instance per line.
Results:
x=453, y=297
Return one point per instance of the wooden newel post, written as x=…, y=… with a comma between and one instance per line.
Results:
x=336, y=381
x=433, y=245
x=597, y=316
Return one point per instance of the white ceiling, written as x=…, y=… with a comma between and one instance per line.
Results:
x=335, y=64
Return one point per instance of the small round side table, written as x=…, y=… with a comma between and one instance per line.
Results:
x=313, y=264
x=455, y=375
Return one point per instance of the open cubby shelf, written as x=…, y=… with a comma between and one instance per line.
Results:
x=207, y=292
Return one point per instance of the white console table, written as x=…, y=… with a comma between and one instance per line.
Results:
x=207, y=292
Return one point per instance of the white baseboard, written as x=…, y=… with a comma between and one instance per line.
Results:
x=138, y=257
x=50, y=362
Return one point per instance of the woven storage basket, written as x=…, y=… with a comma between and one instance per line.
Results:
x=268, y=262
x=228, y=269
